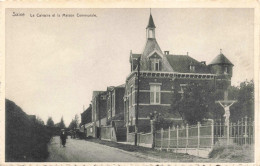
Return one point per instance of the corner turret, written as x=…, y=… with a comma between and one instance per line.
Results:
x=221, y=65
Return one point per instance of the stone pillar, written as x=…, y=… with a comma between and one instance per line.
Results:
x=127, y=131
x=153, y=130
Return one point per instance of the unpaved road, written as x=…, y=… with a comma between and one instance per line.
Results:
x=85, y=151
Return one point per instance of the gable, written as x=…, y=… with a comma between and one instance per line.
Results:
x=154, y=55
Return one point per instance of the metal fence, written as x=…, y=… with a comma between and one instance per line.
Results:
x=198, y=136
x=240, y=133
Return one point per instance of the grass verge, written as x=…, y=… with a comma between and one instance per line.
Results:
x=233, y=153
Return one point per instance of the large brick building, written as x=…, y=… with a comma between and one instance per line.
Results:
x=160, y=73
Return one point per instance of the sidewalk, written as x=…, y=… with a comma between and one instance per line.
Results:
x=152, y=154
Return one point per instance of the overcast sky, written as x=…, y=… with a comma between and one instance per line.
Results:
x=54, y=64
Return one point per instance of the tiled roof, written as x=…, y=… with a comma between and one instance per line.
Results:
x=181, y=63
x=96, y=93
x=121, y=86
x=151, y=23
x=136, y=56
x=133, y=57
x=152, y=45
x=220, y=59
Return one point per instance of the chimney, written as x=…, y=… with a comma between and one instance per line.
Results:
x=203, y=62
x=166, y=52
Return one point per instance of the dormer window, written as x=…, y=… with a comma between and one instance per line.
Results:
x=155, y=64
x=192, y=68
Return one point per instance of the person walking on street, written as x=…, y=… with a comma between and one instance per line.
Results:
x=63, y=137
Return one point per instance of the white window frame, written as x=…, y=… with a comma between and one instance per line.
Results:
x=113, y=107
x=155, y=62
x=192, y=68
x=131, y=96
x=225, y=70
x=155, y=88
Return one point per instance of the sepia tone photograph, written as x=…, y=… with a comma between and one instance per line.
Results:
x=130, y=85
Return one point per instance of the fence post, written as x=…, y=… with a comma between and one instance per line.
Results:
x=153, y=133
x=187, y=137
x=246, y=130
x=235, y=132
x=177, y=134
x=227, y=133
x=161, y=137
x=242, y=132
x=169, y=137
x=249, y=133
x=238, y=132
x=212, y=133
x=231, y=129
x=220, y=125
x=198, y=135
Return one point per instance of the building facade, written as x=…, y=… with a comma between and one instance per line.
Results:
x=86, y=116
x=99, y=111
x=115, y=103
x=160, y=73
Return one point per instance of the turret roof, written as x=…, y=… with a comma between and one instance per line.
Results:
x=221, y=59
x=151, y=23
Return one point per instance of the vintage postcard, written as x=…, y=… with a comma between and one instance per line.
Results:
x=129, y=83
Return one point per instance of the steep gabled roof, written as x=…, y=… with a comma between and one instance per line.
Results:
x=151, y=23
x=152, y=46
x=133, y=57
x=181, y=63
x=221, y=59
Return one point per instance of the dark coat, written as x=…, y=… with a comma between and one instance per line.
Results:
x=63, y=137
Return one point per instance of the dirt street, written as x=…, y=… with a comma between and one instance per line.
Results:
x=85, y=151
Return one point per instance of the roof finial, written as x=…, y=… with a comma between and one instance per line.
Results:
x=150, y=11
x=220, y=51
x=188, y=53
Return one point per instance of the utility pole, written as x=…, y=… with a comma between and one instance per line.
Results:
x=137, y=101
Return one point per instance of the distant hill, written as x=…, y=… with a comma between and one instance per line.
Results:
x=26, y=140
